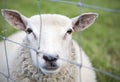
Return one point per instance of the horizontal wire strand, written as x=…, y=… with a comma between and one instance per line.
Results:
x=80, y=4
x=92, y=68
x=4, y=38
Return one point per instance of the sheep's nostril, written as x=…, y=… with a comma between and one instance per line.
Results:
x=50, y=58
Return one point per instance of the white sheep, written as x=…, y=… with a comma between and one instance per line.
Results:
x=55, y=43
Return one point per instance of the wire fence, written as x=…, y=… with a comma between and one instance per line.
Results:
x=79, y=4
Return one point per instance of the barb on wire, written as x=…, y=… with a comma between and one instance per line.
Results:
x=4, y=38
x=80, y=4
x=91, y=68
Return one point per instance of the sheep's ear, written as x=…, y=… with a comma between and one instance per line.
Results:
x=14, y=18
x=83, y=21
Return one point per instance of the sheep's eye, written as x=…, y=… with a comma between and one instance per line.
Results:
x=29, y=30
x=69, y=31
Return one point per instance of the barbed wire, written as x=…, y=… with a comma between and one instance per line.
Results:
x=80, y=4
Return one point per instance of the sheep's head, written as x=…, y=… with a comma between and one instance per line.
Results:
x=54, y=39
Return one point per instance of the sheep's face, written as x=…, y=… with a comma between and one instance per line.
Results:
x=51, y=35
x=55, y=41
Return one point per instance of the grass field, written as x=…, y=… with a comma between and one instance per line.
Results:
x=101, y=41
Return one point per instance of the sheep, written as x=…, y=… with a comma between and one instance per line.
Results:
x=44, y=62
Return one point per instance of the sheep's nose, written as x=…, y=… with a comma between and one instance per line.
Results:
x=50, y=58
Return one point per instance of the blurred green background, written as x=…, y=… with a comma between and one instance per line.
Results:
x=101, y=41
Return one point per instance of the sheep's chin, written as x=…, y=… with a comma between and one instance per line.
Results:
x=49, y=72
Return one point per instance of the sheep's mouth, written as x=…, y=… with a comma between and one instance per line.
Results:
x=51, y=66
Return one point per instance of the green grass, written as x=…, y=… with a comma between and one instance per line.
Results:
x=100, y=41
